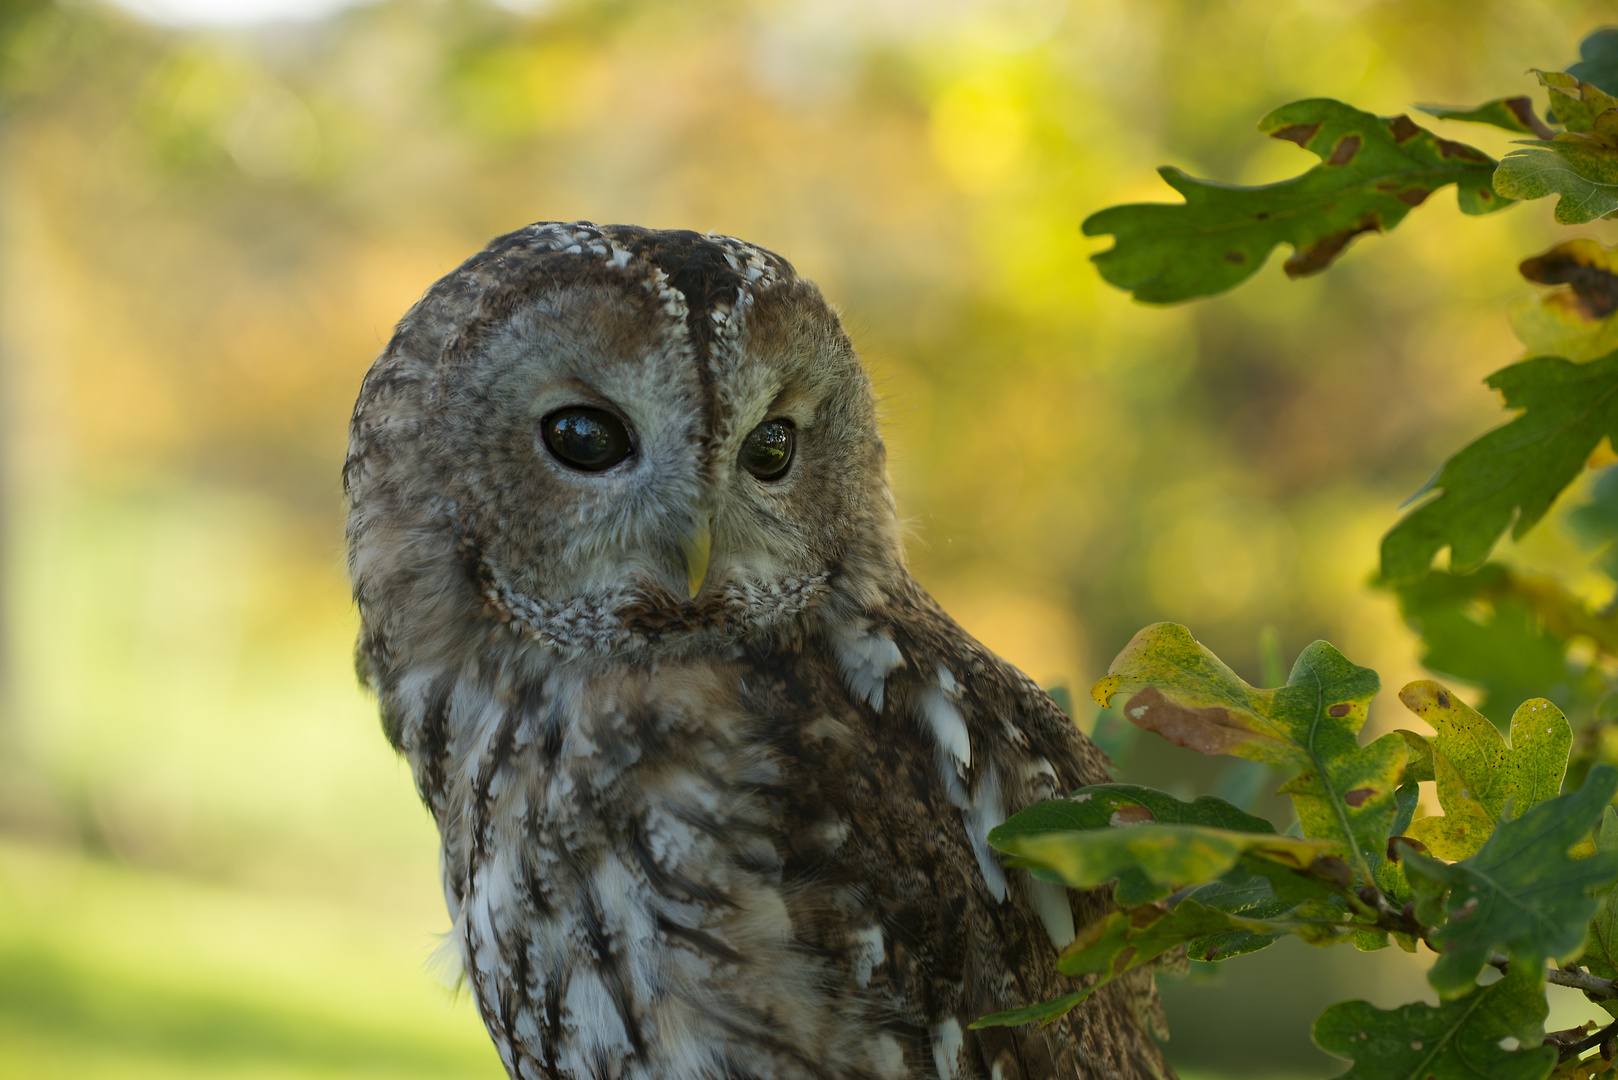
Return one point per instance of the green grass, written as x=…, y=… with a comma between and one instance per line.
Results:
x=109, y=971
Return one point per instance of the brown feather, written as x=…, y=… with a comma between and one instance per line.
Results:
x=736, y=835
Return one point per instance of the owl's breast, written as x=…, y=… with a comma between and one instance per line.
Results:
x=655, y=874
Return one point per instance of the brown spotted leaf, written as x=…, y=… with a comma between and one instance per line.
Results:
x=1373, y=170
x=1512, y=113
x=1579, y=321
x=1343, y=792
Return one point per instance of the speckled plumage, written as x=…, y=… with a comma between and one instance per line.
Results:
x=739, y=835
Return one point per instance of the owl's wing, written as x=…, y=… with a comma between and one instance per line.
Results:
x=997, y=743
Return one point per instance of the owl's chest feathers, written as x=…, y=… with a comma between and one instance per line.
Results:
x=615, y=846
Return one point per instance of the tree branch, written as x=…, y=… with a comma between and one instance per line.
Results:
x=1595, y=1038
x=1594, y=986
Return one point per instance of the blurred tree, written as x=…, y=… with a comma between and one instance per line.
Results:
x=17, y=18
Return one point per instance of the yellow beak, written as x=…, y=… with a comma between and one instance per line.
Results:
x=694, y=549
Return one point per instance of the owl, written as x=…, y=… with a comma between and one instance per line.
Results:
x=713, y=775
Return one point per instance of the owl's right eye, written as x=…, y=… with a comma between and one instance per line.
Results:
x=584, y=438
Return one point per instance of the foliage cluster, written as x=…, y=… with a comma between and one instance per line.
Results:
x=1512, y=886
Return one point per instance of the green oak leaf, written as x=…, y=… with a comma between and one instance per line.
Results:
x=1373, y=171
x=1418, y=756
x=1601, y=952
x=1351, y=800
x=1099, y=806
x=1600, y=60
x=1507, y=633
x=1583, y=173
x=1166, y=857
x=1456, y=1040
x=1513, y=472
x=1595, y=523
x=1512, y=113
x=1478, y=772
x=1406, y=797
x=1521, y=893
x=1120, y=942
x=1044, y=1013
x=1134, y=936
x=1389, y=878
x=1428, y=893
x=1344, y=793
x=1243, y=893
x=1577, y=104
x=1102, y=806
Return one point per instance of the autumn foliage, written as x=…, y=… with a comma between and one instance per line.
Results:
x=1511, y=888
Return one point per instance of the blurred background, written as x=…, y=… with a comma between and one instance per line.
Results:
x=213, y=211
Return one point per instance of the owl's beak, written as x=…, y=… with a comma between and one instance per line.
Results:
x=694, y=549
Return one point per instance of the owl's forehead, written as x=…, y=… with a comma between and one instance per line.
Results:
x=698, y=282
x=647, y=312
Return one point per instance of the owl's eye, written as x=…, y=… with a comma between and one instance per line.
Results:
x=585, y=438
x=767, y=450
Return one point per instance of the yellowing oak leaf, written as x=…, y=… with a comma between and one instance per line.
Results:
x=1576, y=322
x=1579, y=164
x=1478, y=772
x=1168, y=856
x=1344, y=792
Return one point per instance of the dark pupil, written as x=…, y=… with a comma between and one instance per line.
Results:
x=589, y=439
x=768, y=449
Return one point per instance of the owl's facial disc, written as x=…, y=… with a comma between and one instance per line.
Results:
x=611, y=475
x=603, y=437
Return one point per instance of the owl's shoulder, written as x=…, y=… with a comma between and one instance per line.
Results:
x=1010, y=718
x=907, y=741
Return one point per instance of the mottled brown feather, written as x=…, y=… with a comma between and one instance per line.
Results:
x=735, y=835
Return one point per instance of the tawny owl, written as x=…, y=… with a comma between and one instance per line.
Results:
x=713, y=774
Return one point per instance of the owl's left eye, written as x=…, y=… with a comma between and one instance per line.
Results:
x=767, y=450
x=584, y=438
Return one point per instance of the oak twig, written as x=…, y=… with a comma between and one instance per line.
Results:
x=1595, y=1038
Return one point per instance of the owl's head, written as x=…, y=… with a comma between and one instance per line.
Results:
x=597, y=438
